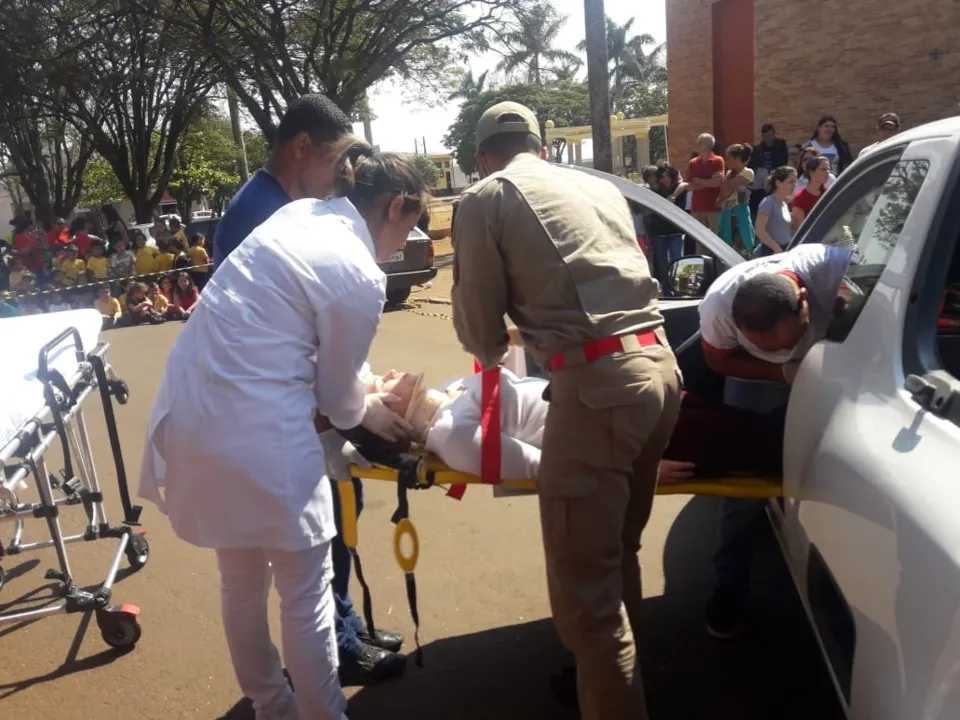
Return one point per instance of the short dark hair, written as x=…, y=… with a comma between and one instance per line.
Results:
x=763, y=301
x=767, y=127
x=510, y=144
x=316, y=115
x=648, y=171
x=741, y=151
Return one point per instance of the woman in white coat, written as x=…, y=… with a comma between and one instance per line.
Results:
x=232, y=457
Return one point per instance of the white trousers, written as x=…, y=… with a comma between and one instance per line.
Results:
x=303, y=581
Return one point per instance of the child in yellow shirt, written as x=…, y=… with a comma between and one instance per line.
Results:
x=179, y=236
x=108, y=307
x=165, y=258
x=73, y=268
x=123, y=296
x=98, y=266
x=199, y=260
x=145, y=263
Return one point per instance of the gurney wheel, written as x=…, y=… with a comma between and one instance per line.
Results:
x=121, y=391
x=138, y=551
x=119, y=629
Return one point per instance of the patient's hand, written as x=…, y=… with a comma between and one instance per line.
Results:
x=675, y=471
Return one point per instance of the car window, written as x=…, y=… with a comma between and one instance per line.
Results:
x=872, y=227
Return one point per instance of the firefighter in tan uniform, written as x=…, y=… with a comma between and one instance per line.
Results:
x=556, y=251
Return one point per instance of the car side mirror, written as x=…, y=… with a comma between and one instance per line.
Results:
x=691, y=275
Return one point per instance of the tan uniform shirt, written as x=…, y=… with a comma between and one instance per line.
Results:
x=556, y=251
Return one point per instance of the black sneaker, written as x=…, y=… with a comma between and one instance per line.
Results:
x=383, y=639
x=723, y=614
x=369, y=665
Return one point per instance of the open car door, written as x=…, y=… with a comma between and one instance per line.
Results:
x=682, y=324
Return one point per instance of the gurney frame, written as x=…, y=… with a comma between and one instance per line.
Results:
x=62, y=419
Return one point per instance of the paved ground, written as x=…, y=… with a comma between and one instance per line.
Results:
x=489, y=646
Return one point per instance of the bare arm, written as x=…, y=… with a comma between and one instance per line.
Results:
x=796, y=219
x=760, y=229
x=740, y=364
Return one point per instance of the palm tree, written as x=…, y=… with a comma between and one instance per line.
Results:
x=530, y=45
x=567, y=70
x=469, y=87
x=628, y=62
x=649, y=68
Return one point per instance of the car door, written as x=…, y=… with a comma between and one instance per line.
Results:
x=681, y=314
x=869, y=524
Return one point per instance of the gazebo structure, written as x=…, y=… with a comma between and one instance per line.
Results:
x=570, y=139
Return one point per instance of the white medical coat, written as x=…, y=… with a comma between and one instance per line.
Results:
x=455, y=437
x=232, y=456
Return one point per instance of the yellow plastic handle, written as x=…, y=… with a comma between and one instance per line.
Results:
x=407, y=563
x=348, y=513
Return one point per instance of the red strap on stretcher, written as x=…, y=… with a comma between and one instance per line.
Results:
x=489, y=430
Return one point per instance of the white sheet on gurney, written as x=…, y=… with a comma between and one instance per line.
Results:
x=21, y=393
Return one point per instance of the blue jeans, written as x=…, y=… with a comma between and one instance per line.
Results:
x=347, y=623
x=666, y=249
x=740, y=524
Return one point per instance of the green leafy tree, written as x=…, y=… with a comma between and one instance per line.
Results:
x=531, y=45
x=100, y=185
x=427, y=169
x=627, y=58
x=271, y=53
x=566, y=103
x=257, y=151
x=42, y=156
x=205, y=163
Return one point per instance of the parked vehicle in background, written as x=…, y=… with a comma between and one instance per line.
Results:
x=409, y=267
x=404, y=270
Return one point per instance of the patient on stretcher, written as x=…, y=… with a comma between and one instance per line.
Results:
x=710, y=439
x=447, y=422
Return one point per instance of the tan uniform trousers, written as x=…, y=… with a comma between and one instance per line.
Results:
x=607, y=427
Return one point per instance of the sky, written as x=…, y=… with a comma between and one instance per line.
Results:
x=399, y=122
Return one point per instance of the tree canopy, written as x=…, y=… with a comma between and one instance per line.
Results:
x=566, y=103
x=272, y=52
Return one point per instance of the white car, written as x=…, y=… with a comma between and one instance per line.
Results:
x=869, y=521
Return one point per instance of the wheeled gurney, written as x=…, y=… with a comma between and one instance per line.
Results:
x=50, y=366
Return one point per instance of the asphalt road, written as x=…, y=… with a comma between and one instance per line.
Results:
x=489, y=647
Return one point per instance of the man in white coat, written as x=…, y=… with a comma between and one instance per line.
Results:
x=282, y=329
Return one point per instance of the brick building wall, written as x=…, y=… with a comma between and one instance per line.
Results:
x=853, y=59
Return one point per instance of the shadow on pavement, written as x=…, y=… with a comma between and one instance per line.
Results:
x=773, y=670
x=499, y=673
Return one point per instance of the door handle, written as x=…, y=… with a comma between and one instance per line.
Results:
x=936, y=392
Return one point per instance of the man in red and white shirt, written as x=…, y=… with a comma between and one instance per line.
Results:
x=759, y=318
x=704, y=174
x=757, y=322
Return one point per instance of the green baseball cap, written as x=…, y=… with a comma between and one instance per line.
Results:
x=502, y=118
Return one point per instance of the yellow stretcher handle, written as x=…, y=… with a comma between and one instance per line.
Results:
x=734, y=485
x=407, y=563
x=348, y=512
